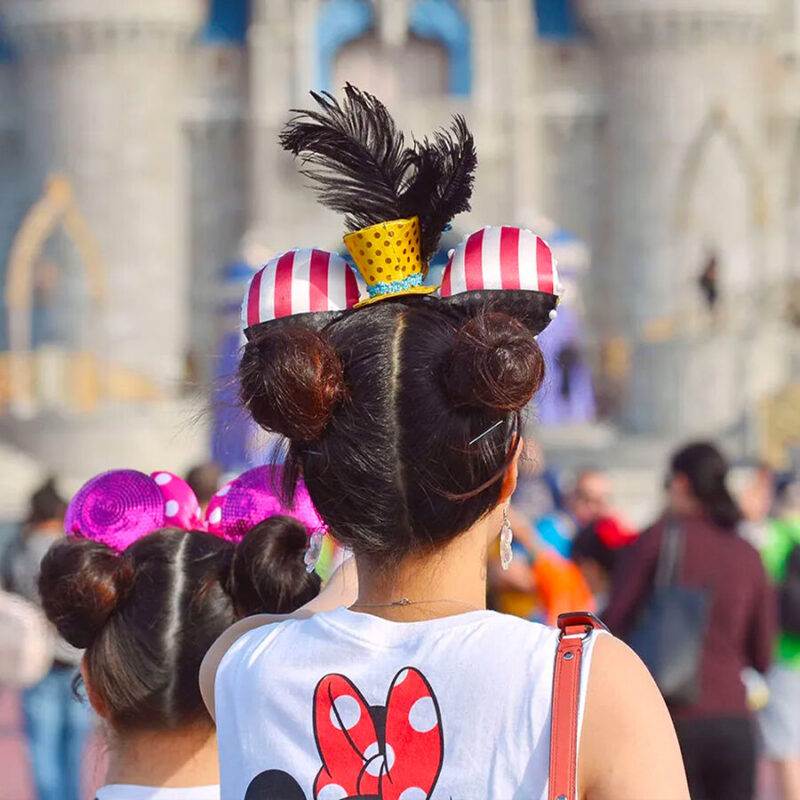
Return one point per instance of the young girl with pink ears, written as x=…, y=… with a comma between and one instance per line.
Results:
x=144, y=584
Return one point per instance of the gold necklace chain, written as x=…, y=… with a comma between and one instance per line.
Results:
x=404, y=601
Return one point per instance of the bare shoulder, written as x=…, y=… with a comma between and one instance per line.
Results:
x=341, y=590
x=628, y=743
x=213, y=658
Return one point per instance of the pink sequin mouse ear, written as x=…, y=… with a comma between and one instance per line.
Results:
x=116, y=508
x=253, y=497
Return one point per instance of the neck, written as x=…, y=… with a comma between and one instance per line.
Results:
x=180, y=758
x=449, y=580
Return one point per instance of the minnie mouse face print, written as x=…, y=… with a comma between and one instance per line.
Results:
x=389, y=752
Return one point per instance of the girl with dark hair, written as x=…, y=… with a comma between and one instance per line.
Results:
x=714, y=728
x=146, y=606
x=402, y=410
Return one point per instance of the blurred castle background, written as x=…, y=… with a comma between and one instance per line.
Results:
x=138, y=157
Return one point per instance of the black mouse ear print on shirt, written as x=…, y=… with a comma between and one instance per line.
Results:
x=503, y=270
x=274, y=784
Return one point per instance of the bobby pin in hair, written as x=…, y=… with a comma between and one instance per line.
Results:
x=487, y=431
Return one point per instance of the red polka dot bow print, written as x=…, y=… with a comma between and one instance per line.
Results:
x=392, y=752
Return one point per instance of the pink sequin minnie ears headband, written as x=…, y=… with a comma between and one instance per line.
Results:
x=120, y=506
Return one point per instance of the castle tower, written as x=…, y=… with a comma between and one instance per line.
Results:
x=504, y=112
x=688, y=235
x=274, y=50
x=102, y=87
x=215, y=124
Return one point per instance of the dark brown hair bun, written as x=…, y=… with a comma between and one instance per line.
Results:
x=81, y=583
x=291, y=379
x=268, y=572
x=495, y=365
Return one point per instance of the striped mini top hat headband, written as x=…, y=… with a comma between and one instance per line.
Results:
x=300, y=281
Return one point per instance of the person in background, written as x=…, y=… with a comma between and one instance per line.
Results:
x=716, y=731
x=145, y=605
x=780, y=720
x=596, y=551
x=753, y=486
x=587, y=501
x=537, y=489
x=56, y=723
x=204, y=480
x=541, y=581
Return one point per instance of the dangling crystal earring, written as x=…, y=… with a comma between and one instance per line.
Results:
x=313, y=552
x=506, y=537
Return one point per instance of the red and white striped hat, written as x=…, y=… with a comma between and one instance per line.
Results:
x=301, y=281
x=502, y=258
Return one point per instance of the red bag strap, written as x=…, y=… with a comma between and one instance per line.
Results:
x=575, y=630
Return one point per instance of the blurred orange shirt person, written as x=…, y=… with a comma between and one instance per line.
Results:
x=541, y=586
x=560, y=586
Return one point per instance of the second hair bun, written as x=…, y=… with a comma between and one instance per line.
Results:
x=495, y=364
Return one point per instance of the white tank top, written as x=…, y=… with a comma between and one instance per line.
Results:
x=119, y=791
x=347, y=704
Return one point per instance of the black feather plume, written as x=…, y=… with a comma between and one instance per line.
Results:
x=354, y=153
x=361, y=166
x=441, y=187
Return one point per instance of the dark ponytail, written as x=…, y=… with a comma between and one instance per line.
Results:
x=706, y=470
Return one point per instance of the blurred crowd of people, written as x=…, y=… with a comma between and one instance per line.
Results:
x=736, y=538
x=731, y=538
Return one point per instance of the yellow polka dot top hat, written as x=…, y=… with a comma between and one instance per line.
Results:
x=398, y=196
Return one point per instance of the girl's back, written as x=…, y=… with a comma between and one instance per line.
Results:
x=459, y=704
